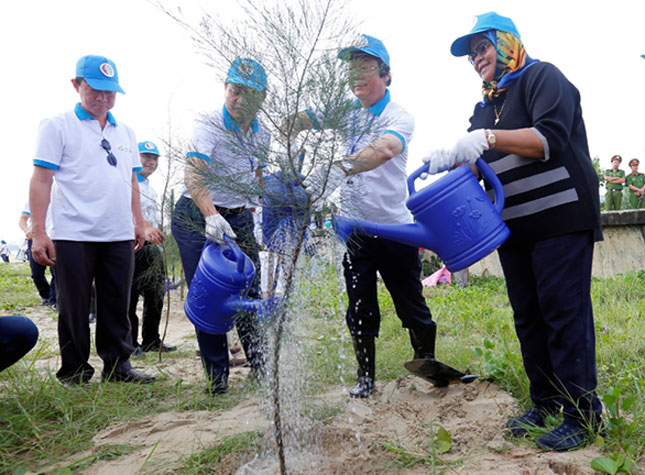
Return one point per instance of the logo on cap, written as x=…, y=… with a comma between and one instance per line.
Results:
x=246, y=68
x=107, y=70
x=149, y=146
x=361, y=42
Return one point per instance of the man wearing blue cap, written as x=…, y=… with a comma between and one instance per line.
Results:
x=372, y=177
x=222, y=184
x=148, y=278
x=97, y=223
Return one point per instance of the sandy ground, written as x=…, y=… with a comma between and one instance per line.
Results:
x=404, y=414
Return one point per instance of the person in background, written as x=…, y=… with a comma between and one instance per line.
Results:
x=615, y=179
x=226, y=144
x=97, y=223
x=18, y=335
x=46, y=290
x=149, y=276
x=4, y=251
x=529, y=129
x=635, y=184
x=372, y=177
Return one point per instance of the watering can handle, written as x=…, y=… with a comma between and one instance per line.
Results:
x=237, y=252
x=485, y=170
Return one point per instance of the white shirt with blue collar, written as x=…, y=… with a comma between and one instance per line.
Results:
x=149, y=202
x=232, y=155
x=91, y=200
x=377, y=195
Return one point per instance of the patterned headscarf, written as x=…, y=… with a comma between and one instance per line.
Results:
x=512, y=61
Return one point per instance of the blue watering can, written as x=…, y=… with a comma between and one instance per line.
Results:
x=283, y=206
x=453, y=217
x=218, y=290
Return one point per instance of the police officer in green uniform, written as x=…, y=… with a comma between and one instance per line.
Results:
x=615, y=179
x=635, y=184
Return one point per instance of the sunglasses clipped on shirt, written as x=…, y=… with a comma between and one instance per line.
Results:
x=478, y=50
x=108, y=148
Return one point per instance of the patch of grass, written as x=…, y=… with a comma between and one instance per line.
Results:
x=224, y=457
x=42, y=422
x=104, y=452
x=321, y=411
x=17, y=290
x=476, y=332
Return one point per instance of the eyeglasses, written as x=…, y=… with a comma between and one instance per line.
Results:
x=108, y=148
x=478, y=50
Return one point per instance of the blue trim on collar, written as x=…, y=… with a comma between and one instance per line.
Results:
x=230, y=124
x=378, y=108
x=82, y=114
x=140, y=179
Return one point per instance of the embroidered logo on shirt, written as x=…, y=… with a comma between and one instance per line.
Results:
x=107, y=70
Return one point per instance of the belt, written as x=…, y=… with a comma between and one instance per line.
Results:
x=229, y=211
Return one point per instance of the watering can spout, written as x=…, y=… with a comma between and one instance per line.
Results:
x=412, y=234
x=264, y=310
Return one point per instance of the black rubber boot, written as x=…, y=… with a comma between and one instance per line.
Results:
x=423, y=342
x=366, y=358
x=426, y=366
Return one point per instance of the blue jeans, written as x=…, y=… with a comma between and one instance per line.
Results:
x=18, y=335
x=188, y=230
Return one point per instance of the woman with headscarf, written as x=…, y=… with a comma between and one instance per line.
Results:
x=529, y=129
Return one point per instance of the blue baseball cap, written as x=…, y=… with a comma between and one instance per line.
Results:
x=99, y=72
x=484, y=22
x=368, y=45
x=247, y=72
x=148, y=147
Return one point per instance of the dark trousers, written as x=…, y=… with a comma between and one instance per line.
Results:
x=110, y=265
x=400, y=268
x=148, y=281
x=18, y=335
x=46, y=290
x=549, y=285
x=188, y=230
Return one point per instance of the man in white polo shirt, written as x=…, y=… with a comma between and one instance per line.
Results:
x=222, y=175
x=148, y=278
x=97, y=223
x=372, y=177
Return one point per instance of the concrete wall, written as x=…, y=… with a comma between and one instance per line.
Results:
x=623, y=248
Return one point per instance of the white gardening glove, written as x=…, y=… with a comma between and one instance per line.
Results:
x=440, y=161
x=217, y=227
x=470, y=147
x=323, y=180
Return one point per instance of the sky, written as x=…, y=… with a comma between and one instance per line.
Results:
x=597, y=46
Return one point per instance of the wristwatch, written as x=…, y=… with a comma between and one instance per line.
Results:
x=490, y=138
x=347, y=166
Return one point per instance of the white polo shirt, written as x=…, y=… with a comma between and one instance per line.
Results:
x=377, y=195
x=232, y=157
x=90, y=199
x=149, y=202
